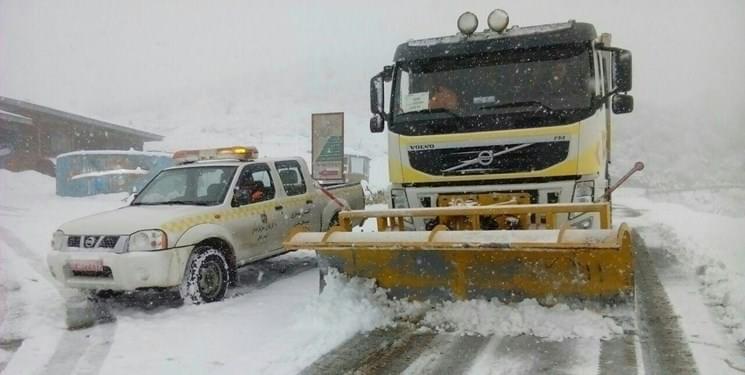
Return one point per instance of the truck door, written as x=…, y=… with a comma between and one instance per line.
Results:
x=260, y=212
x=300, y=211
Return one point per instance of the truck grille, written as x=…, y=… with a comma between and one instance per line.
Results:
x=519, y=157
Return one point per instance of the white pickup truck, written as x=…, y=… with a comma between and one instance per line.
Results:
x=193, y=224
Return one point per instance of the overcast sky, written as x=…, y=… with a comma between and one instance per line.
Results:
x=105, y=57
x=143, y=62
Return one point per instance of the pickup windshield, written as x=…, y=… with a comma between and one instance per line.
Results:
x=493, y=91
x=198, y=186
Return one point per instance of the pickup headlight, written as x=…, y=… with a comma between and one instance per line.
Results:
x=584, y=192
x=58, y=240
x=147, y=240
x=398, y=198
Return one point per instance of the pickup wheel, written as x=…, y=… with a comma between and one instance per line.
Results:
x=207, y=276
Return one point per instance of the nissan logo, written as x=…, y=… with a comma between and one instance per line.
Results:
x=89, y=242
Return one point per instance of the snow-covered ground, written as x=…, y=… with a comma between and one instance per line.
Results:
x=285, y=325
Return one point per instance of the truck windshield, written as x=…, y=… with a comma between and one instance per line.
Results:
x=199, y=186
x=501, y=90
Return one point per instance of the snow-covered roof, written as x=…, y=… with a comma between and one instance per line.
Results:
x=114, y=152
x=16, y=118
x=15, y=105
x=138, y=171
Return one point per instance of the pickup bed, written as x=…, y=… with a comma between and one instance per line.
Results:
x=194, y=224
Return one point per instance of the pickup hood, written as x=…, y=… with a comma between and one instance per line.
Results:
x=129, y=219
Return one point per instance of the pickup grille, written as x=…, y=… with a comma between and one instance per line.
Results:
x=94, y=242
x=519, y=157
x=106, y=273
x=108, y=242
x=73, y=241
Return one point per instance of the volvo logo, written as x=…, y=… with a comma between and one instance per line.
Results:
x=485, y=158
x=89, y=242
x=421, y=147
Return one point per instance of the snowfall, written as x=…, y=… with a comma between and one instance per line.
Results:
x=282, y=325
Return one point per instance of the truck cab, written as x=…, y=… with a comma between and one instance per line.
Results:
x=193, y=224
x=519, y=115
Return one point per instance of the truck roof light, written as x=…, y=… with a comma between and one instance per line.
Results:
x=235, y=152
x=467, y=23
x=498, y=20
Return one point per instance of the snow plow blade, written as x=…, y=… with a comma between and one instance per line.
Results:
x=446, y=263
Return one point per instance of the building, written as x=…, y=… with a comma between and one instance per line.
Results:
x=31, y=135
x=356, y=168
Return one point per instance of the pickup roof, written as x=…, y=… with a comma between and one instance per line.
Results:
x=192, y=225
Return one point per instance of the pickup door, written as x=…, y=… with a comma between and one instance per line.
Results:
x=300, y=208
x=261, y=232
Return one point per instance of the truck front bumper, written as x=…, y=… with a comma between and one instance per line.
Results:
x=126, y=271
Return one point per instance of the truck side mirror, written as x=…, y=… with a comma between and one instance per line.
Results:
x=376, y=94
x=622, y=103
x=622, y=70
x=377, y=124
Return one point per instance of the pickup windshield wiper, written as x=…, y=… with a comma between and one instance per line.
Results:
x=190, y=203
x=432, y=110
x=517, y=105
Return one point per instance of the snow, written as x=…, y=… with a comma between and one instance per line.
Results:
x=286, y=325
x=111, y=172
x=115, y=152
x=527, y=317
x=712, y=245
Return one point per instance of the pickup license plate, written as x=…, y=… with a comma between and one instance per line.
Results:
x=86, y=265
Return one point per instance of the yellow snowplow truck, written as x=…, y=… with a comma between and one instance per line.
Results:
x=498, y=148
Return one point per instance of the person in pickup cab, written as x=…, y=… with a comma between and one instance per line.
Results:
x=250, y=191
x=256, y=191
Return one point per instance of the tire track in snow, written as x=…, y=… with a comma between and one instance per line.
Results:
x=73, y=345
x=527, y=354
x=665, y=349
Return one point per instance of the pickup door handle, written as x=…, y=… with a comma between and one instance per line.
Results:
x=309, y=201
x=278, y=207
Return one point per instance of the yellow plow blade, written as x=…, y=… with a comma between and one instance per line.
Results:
x=442, y=264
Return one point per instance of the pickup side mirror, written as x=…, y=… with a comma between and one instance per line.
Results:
x=622, y=70
x=240, y=198
x=622, y=103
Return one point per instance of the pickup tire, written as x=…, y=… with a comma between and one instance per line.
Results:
x=206, y=277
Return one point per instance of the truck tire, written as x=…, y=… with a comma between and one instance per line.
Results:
x=206, y=277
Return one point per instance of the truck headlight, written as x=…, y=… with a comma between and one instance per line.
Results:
x=58, y=240
x=398, y=198
x=584, y=192
x=147, y=240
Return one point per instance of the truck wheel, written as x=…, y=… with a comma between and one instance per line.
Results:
x=207, y=276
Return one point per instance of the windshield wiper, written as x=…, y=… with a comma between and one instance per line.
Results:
x=433, y=110
x=190, y=203
x=516, y=104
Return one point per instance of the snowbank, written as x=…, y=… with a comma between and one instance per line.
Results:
x=370, y=307
x=713, y=245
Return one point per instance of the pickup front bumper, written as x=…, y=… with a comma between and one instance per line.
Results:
x=127, y=271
